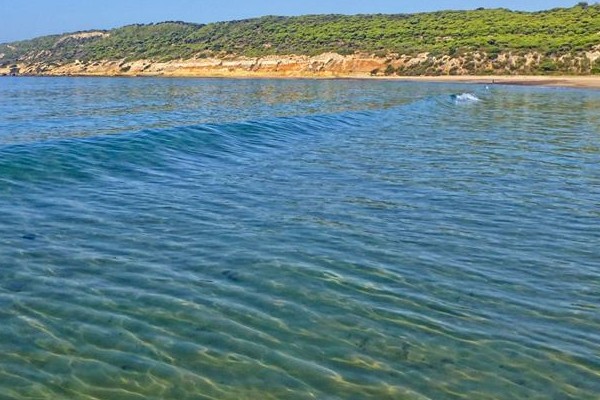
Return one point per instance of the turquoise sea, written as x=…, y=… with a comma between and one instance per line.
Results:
x=298, y=239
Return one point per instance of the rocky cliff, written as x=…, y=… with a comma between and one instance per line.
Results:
x=324, y=65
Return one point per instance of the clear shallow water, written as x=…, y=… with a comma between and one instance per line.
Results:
x=239, y=239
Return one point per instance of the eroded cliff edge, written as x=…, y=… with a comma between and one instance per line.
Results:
x=324, y=65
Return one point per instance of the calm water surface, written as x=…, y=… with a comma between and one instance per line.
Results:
x=257, y=239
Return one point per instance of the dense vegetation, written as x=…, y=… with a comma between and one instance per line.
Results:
x=491, y=31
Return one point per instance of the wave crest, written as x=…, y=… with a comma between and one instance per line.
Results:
x=465, y=98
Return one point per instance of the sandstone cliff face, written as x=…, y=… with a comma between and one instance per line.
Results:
x=325, y=65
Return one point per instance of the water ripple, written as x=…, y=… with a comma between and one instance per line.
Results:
x=296, y=239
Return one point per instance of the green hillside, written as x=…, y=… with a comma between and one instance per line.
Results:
x=492, y=31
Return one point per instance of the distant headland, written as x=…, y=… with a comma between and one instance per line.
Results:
x=482, y=42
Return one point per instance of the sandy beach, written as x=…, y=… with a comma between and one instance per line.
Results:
x=589, y=82
x=246, y=70
x=584, y=82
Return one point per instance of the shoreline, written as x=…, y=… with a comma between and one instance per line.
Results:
x=322, y=66
x=564, y=81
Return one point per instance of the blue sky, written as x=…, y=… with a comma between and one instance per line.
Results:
x=26, y=19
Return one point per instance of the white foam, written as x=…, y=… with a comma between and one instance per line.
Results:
x=465, y=98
